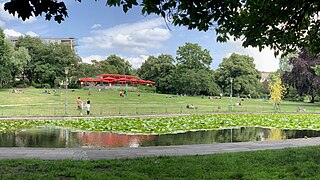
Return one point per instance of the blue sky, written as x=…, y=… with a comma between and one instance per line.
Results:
x=102, y=31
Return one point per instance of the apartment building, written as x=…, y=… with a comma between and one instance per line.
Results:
x=70, y=42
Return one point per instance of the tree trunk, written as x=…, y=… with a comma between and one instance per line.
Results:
x=312, y=99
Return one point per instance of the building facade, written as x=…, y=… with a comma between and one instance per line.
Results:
x=70, y=42
x=264, y=76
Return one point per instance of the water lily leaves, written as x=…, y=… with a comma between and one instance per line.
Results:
x=156, y=125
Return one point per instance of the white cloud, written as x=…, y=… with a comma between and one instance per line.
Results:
x=134, y=61
x=264, y=60
x=96, y=26
x=88, y=59
x=11, y=32
x=5, y=16
x=2, y=23
x=32, y=34
x=137, y=61
x=135, y=38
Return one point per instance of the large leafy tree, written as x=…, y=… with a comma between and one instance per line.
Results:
x=191, y=56
x=241, y=69
x=113, y=65
x=161, y=70
x=6, y=51
x=280, y=24
x=302, y=75
x=20, y=60
x=196, y=82
x=48, y=61
x=34, y=47
x=85, y=70
x=193, y=75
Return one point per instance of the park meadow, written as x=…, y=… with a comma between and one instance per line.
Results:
x=33, y=102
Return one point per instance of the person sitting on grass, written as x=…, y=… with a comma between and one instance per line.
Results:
x=191, y=106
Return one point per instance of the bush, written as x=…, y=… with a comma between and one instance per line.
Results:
x=145, y=88
x=22, y=86
x=36, y=85
x=74, y=86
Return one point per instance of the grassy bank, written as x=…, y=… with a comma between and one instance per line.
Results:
x=291, y=163
x=33, y=103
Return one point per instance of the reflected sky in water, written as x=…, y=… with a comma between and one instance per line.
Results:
x=65, y=138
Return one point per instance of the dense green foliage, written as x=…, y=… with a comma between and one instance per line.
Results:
x=161, y=70
x=189, y=74
x=47, y=61
x=32, y=62
x=113, y=65
x=280, y=24
x=5, y=60
x=241, y=69
x=193, y=75
x=175, y=124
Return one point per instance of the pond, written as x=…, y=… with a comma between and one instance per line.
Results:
x=66, y=138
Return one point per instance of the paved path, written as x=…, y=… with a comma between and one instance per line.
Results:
x=88, y=153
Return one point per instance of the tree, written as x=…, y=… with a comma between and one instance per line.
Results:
x=277, y=89
x=193, y=75
x=279, y=24
x=284, y=65
x=241, y=69
x=191, y=56
x=48, y=61
x=85, y=70
x=196, y=82
x=6, y=51
x=20, y=60
x=160, y=70
x=113, y=65
x=34, y=46
x=303, y=76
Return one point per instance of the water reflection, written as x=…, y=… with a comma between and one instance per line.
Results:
x=104, y=139
x=65, y=138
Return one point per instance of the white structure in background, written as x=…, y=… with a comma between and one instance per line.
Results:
x=264, y=76
x=71, y=42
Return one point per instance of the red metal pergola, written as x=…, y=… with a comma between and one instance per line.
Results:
x=97, y=80
x=149, y=82
x=109, y=80
x=123, y=80
x=86, y=80
x=114, y=78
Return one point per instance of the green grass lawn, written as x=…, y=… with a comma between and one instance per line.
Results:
x=32, y=103
x=291, y=163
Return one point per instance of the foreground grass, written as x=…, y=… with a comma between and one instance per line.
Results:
x=32, y=103
x=291, y=163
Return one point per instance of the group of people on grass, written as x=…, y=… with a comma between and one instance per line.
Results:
x=124, y=94
x=80, y=105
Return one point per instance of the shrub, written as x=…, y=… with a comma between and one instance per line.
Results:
x=145, y=88
x=36, y=85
